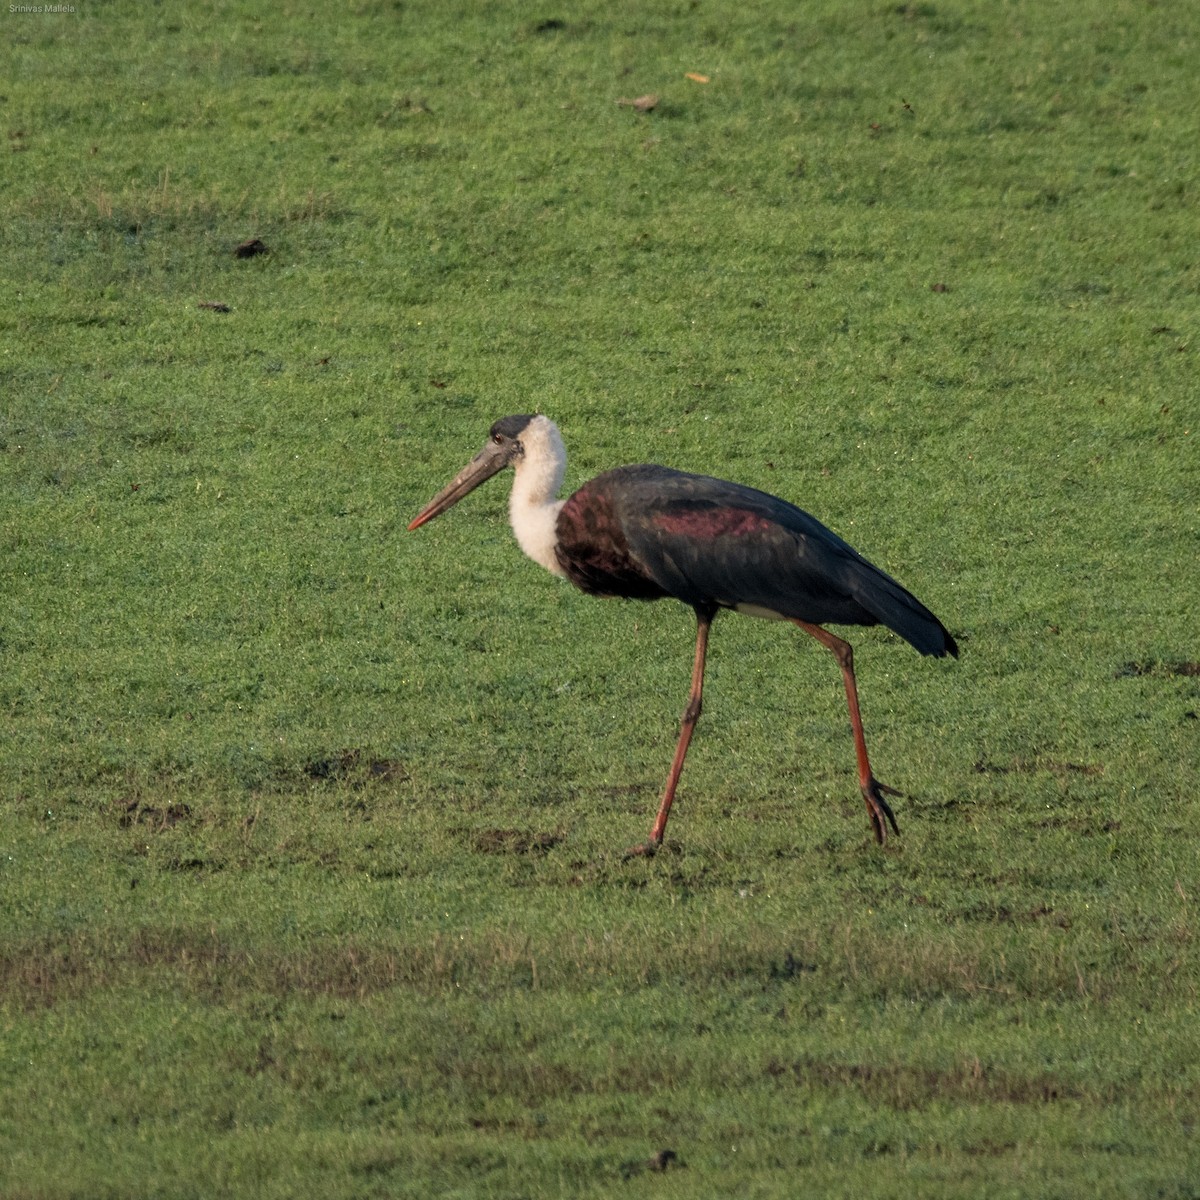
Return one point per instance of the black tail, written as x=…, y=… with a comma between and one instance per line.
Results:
x=904, y=614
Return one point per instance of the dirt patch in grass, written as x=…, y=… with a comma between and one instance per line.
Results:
x=136, y=813
x=514, y=841
x=905, y=1086
x=1171, y=669
x=355, y=765
x=1031, y=766
x=44, y=972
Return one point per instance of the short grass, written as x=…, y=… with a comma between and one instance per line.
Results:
x=310, y=879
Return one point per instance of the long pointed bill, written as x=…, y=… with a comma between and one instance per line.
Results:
x=483, y=466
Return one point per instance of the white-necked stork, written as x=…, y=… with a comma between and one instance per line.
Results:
x=648, y=532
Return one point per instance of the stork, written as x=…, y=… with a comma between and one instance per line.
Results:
x=649, y=532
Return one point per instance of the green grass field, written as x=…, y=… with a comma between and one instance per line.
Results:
x=310, y=829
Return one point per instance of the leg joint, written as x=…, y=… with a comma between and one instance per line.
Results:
x=842, y=651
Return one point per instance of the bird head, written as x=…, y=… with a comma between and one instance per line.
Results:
x=504, y=448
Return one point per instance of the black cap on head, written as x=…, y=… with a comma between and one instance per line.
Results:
x=511, y=427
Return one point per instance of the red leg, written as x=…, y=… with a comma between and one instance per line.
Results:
x=691, y=715
x=877, y=807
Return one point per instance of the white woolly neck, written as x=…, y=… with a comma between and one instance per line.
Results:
x=533, y=506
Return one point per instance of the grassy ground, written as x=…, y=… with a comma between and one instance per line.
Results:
x=310, y=879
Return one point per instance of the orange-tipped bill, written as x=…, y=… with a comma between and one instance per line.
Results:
x=491, y=459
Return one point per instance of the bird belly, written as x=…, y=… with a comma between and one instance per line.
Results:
x=757, y=610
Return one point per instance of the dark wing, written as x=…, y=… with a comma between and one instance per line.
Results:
x=708, y=541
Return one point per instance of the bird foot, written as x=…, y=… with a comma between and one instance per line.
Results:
x=879, y=810
x=647, y=849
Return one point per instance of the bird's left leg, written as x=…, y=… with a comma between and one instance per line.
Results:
x=691, y=714
x=878, y=808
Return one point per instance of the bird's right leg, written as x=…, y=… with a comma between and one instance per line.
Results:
x=691, y=714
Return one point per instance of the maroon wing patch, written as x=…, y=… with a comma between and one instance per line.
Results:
x=710, y=521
